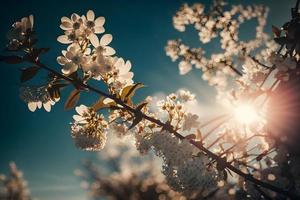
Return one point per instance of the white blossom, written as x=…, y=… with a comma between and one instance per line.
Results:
x=37, y=97
x=88, y=129
x=190, y=121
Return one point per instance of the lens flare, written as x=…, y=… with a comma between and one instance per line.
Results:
x=246, y=114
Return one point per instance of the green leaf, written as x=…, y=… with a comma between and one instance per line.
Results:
x=129, y=91
x=29, y=73
x=72, y=99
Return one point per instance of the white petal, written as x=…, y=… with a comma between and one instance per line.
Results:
x=90, y=15
x=105, y=39
x=61, y=60
x=120, y=62
x=83, y=18
x=75, y=17
x=39, y=104
x=100, y=21
x=64, y=39
x=99, y=29
x=109, y=51
x=78, y=118
x=66, y=25
x=87, y=51
x=69, y=68
x=69, y=55
x=47, y=106
x=31, y=20
x=108, y=100
x=81, y=109
x=127, y=66
x=65, y=19
x=94, y=40
x=32, y=106
x=64, y=52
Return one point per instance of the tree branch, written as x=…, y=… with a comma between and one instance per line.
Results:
x=169, y=128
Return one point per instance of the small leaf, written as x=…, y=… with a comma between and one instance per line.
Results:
x=190, y=137
x=72, y=99
x=129, y=91
x=29, y=73
x=135, y=121
x=141, y=106
x=198, y=135
x=276, y=31
x=54, y=93
x=11, y=59
x=101, y=104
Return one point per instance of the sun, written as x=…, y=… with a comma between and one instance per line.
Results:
x=246, y=114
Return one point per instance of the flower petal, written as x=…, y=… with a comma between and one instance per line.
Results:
x=61, y=60
x=90, y=15
x=32, y=106
x=69, y=68
x=47, y=106
x=75, y=17
x=109, y=51
x=105, y=39
x=81, y=109
x=31, y=19
x=94, y=40
x=66, y=26
x=78, y=118
x=99, y=29
x=65, y=19
x=100, y=21
x=39, y=104
x=64, y=39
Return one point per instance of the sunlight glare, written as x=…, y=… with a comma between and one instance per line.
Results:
x=245, y=114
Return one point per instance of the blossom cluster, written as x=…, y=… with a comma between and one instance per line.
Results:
x=88, y=129
x=124, y=174
x=232, y=139
x=21, y=34
x=37, y=97
x=14, y=186
x=216, y=23
x=93, y=56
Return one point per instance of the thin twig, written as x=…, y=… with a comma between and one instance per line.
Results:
x=169, y=128
x=165, y=126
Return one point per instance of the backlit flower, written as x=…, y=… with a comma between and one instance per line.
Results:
x=124, y=75
x=20, y=33
x=101, y=46
x=72, y=59
x=190, y=121
x=88, y=129
x=37, y=97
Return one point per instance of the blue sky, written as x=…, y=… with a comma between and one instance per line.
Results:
x=40, y=142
